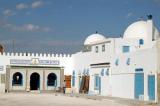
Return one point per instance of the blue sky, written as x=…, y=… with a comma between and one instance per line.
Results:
x=61, y=26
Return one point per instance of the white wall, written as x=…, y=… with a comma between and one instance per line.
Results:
x=64, y=60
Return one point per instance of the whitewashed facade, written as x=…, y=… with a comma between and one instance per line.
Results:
x=128, y=67
x=125, y=67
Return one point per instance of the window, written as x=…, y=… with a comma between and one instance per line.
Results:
x=102, y=72
x=117, y=62
x=107, y=72
x=17, y=79
x=141, y=41
x=84, y=72
x=96, y=49
x=128, y=61
x=87, y=72
x=96, y=82
x=103, y=48
x=87, y=48
x=73, y=78
x=126, y=49
x=139, y=69
x=52, y=79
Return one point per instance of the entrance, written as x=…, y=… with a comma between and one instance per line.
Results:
x=138, y=85
x=84, y=88
x=34, y=81
x=151, y=87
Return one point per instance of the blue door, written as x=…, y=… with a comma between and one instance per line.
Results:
x=151, y=87
x=138, y=85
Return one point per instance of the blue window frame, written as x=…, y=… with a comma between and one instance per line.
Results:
x=84, y=72
x=125, y=49
x=87, y=72
x=103, y=48
x=128, y=61
x=96, y=82
x=141, y=41
x=102, y=72
x=73, y=78
x=107, y=72
x=139, y=69
x=117, y=62
x=96, y=49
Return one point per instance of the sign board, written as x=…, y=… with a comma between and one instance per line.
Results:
x=33, y=61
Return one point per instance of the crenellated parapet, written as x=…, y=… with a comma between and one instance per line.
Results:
x=38, y=55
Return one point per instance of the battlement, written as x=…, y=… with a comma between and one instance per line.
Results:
x=36, y=55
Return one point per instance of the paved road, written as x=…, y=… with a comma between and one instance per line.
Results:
x=35, y=99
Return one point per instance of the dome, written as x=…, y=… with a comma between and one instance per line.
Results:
x=94, y=38
x=139, y=30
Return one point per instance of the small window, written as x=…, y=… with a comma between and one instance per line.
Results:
x=107, y=72
x=126, y=49
x=141, y=41
x=87, y=48
x=96, y=49
x=117, y=62
x=128, y=61
x=103, y=48
x=96, y=82
x=87, y=72
x=102, y=72
x=139, y=69
x=84, y=72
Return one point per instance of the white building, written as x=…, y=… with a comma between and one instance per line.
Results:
x=125, y=67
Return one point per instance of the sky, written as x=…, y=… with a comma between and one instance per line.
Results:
x=61, y=26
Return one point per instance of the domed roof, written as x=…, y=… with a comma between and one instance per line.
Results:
x=94, y=38
x=139, y=30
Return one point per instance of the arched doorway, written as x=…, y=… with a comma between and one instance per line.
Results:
x=34, y=81
x=52, y=79
x=17, y=79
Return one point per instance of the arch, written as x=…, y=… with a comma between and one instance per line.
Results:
x=34, y=81
x=52, y=79
x=17, y=79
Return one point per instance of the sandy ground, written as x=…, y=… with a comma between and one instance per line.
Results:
x=35, y=99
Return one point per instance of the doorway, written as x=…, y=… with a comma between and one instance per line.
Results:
x=151, y=87
x=34, y=81
x=138, y=85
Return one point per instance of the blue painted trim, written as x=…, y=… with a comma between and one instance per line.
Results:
x=151, y=87
x=125, y=49
x=96, y=82
x=102, y=72
x=139, y=70
x=138, y=85
x=141, y=41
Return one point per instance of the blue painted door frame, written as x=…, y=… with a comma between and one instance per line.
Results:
x=99, y=85
x=151, y=87
x=138, y=85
